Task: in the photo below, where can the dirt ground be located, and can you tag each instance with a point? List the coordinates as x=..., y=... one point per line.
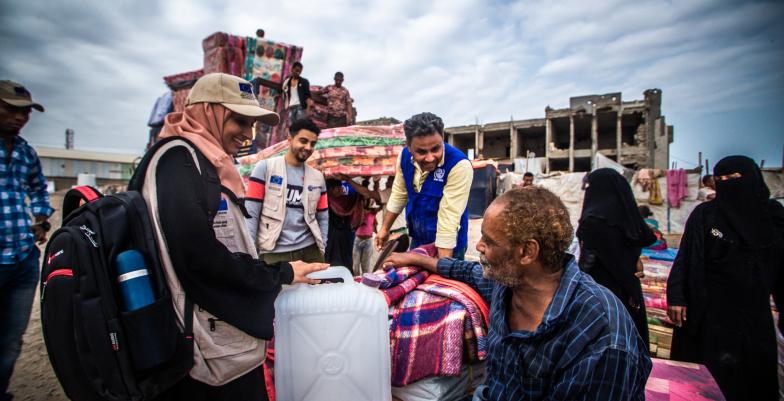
x=33, y=377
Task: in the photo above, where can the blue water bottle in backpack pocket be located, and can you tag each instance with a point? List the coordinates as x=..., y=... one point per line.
x=134, y=280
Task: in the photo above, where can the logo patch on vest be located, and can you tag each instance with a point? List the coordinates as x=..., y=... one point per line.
x=439, y=174
x=276, y=180
x=224, y=207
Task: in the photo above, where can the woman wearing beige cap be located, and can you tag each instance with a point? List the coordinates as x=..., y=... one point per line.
x=194, y=194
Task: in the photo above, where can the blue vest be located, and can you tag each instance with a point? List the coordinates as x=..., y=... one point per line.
x=422, y=206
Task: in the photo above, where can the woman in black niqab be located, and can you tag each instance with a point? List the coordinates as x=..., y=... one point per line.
x=730, y=262
x=612, y=234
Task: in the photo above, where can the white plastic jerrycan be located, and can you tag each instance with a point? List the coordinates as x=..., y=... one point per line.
x=332, y=341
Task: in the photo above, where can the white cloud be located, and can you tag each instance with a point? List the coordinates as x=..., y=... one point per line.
x=98, y=66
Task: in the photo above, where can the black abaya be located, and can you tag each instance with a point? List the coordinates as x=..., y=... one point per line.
x=612, y=234
x=611, y=261
x=725, y=272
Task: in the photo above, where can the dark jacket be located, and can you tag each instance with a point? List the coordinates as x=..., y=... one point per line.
x=303, y=90
x=235, y=287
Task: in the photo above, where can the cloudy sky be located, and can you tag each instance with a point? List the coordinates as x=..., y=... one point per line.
x=97, y=66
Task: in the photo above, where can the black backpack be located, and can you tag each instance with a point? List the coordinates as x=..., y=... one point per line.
x=98, y=350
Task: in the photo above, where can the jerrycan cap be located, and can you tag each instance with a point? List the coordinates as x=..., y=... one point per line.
x=371, y=280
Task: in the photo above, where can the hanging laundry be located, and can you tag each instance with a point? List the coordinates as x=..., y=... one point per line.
x=677, y=187
x=644, y=178
x=656, y=195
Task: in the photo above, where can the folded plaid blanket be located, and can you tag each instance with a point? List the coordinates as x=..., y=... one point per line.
x=476, y=322
x=434, y=325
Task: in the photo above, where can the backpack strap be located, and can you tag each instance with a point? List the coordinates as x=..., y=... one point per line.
x=78, y=196
x=137, y=181
x=187, y=330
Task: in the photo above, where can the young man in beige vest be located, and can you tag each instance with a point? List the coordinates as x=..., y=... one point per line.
x=287, y=202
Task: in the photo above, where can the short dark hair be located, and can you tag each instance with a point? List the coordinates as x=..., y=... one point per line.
x=339, y=73
x=296, y=64
x=423, y=124
x=538, y=214
x=705, y=178
x=303, y=123
x=528, y=174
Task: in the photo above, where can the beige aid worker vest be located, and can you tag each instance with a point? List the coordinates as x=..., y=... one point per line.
x=273, y=211
x=226, y=352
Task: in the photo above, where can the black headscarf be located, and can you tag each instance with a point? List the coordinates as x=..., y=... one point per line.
x=609, y=197
x=743, y=201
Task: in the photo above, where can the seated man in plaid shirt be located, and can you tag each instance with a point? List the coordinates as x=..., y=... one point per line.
x=554, y=333
x=20, y=178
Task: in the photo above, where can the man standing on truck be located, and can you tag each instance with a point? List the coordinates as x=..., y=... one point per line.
x=296, y=94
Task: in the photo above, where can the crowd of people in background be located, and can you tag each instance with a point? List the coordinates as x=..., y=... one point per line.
x=560, y=328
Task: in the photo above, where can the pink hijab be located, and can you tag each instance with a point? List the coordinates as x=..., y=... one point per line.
x=202, y=124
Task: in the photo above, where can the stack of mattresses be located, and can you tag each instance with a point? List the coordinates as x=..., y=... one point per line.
x=657, y=266
x=355, y=151
x=320, y=113
x=180, y=85
x=224, y=53
x=270, y=63
x=251, y=58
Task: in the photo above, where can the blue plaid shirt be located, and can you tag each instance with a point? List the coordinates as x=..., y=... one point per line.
x=20, y=178
x=586, y=348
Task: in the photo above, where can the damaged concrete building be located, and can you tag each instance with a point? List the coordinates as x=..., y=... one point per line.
x=634, y=133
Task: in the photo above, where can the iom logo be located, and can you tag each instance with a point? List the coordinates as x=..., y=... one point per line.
x=439, y=174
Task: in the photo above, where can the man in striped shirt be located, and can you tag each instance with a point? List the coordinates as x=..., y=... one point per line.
x=554, y=333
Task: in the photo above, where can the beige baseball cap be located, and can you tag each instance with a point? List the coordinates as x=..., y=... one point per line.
x=17, y=95
x=234, y=93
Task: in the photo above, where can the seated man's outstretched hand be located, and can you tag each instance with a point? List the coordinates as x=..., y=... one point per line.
x=396, y=259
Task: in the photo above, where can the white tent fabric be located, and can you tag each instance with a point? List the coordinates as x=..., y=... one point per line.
x=533, y=164
x=568, y=187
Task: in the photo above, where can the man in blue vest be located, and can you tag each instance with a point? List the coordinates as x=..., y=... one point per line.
x=432, y=183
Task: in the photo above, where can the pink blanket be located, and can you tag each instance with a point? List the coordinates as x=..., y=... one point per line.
x=681, y=381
